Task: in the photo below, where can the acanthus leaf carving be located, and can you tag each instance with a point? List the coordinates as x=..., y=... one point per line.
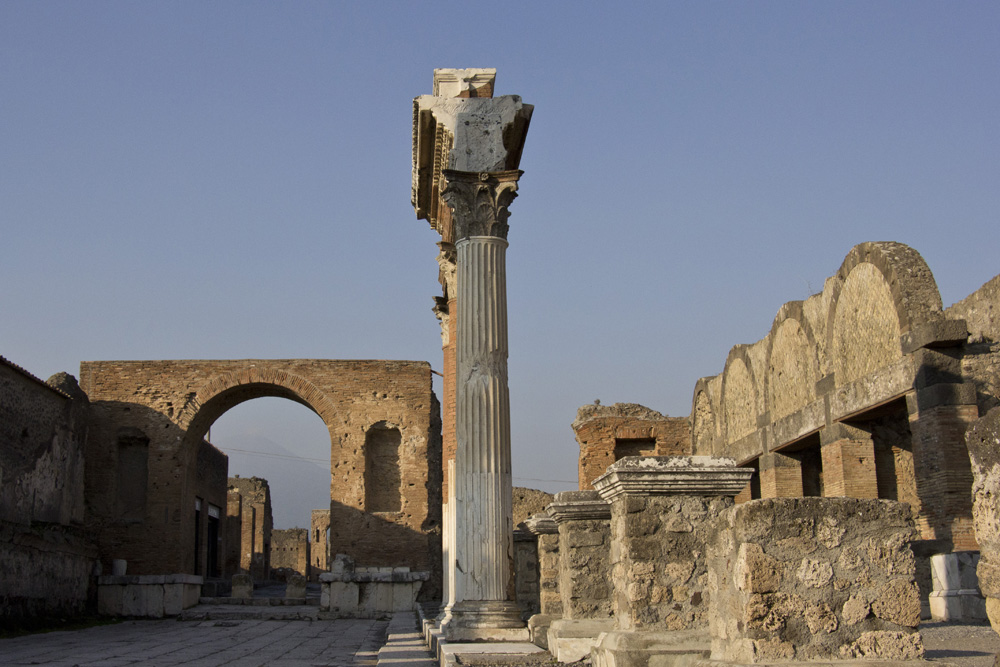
x=479, y=201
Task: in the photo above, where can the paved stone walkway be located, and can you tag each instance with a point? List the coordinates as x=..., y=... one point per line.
x=234, y=643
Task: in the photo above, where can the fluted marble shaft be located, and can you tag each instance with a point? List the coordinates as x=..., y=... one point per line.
x=483, y=536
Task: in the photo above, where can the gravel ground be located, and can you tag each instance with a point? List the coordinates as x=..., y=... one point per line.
x=963, y=645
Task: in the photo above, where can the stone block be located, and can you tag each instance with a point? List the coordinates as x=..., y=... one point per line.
x=813, y=579
x=683, y=648
x=242, y=586
x=295, y=587
x=570, y=640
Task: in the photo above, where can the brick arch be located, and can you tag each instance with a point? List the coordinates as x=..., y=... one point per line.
x=791, y=363
x=704, y=419
x=740, y=396
x=914, y=291
x=231, y=388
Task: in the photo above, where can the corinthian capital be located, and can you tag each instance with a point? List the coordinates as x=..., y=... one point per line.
x=479, y=201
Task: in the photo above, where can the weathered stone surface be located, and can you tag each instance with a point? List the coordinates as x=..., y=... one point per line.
x=687, y=475
x=813, y=579
x=659, y=560
x=983, y=440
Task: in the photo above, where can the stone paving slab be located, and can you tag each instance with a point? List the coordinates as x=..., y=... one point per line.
x=229, y=643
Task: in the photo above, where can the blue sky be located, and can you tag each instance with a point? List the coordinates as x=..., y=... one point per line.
x=231, y=180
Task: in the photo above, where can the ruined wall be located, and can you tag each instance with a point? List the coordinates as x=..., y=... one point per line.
x=984, y=447
x=527, y=502
x=873, y=352
x=256, y=533
x=981, y=353
x=290, y=551
x=171, y=405
x=813, y=579
x=47, y=557
x=319, y=545
x=607, y=433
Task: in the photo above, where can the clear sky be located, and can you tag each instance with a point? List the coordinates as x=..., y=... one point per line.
x=231, y=180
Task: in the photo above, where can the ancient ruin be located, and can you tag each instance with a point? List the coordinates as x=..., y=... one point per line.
x=834, y=485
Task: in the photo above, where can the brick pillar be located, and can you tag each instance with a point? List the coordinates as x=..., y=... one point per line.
x=939, y=417
x=848, y=462
x=584, y=521
x=546, y=530
x=780, y=476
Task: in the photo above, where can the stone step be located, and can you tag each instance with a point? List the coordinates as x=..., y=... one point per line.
x=231, y=612
x=260, y=601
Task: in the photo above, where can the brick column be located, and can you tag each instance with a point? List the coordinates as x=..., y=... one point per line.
x=780, y=476
x=848, y=462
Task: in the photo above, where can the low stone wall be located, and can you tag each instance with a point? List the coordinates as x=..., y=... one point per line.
x=983, y=440
x=147, y=596
x=370, y=592
x=814, y=579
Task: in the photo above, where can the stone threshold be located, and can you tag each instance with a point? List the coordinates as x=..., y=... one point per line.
x=471, y=653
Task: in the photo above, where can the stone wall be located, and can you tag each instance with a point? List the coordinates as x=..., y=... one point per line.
x=813, y=579
x=47, y=557
x=289, y=552
x=606, y=433
x=984, y=448
x=170, y=405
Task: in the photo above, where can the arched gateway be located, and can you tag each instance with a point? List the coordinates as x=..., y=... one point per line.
x=149, y=467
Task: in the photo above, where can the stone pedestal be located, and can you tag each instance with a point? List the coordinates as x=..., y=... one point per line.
x=546, y=532
x=583, y=518
x=662, y=521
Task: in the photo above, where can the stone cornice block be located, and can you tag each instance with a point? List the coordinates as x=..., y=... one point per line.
x=672, y=476
x=542, y=524
x=578, y=506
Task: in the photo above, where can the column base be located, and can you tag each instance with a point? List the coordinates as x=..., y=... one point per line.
x=497, y=620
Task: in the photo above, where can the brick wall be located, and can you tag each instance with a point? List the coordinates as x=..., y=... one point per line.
x=606, y=433
x=173, y=403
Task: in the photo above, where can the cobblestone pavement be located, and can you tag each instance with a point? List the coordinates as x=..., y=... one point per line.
x=234, y=643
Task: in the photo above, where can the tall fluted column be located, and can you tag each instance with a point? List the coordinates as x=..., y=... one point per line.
x=483, y=542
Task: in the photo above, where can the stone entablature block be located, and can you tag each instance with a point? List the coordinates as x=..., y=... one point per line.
x=672, y=475
x=578, y=506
